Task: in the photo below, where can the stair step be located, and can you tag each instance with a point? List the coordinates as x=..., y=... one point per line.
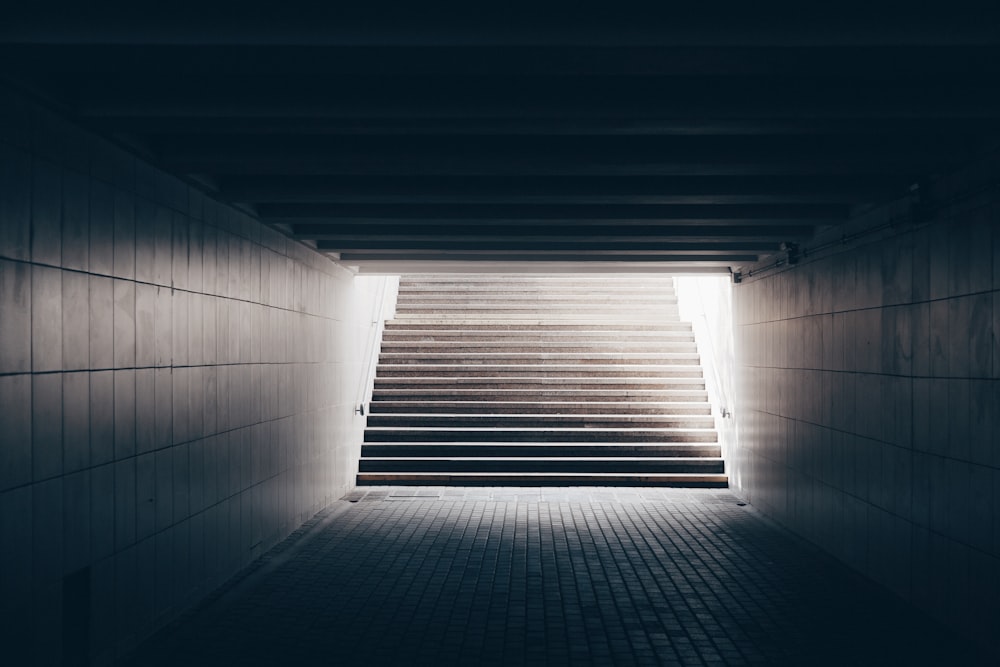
x=409, y=420
x=707, y=480
x=547, y=287
x=547, y=320
x=578, y=464
x=499, y=434
x=568, y=285
x=539, y=407
x=511, y=335
x=552, y=335
x=508, y=281
x=599, y=310
x=542, y=340
x=533, y=449
x=542, y=371
x=540, y=314
x=416, y=347
x=534, y=394
x=547, y=281
x=583, y=298
x=479, y=357
x=541, y=326
x=539, y=383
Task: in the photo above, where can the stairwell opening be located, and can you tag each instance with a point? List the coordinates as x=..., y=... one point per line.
x=551, y=380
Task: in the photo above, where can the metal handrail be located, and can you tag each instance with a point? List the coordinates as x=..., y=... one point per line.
x=726, y=407
x=371, y=353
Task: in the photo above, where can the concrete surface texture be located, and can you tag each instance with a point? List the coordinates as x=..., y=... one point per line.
x=869, y=395
x=177, y=391
x=542, y=576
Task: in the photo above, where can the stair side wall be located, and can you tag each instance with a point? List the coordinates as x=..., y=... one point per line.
x=707, y=303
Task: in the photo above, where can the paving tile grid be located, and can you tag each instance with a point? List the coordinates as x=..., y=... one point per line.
x=578, y=576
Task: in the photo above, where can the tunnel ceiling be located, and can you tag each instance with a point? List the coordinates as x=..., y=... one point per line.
x=691, y=143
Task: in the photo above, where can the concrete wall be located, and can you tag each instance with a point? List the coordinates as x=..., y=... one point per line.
x=706, y=301
x=869, y=398
x=177, y=389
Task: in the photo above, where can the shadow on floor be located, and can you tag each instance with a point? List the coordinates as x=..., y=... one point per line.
x=483, y=576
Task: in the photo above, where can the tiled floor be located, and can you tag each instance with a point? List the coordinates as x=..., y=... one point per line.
x=436, y=576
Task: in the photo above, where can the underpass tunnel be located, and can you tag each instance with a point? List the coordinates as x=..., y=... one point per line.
x=195, y=276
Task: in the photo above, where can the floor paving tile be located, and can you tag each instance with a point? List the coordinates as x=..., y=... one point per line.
x=578, y=576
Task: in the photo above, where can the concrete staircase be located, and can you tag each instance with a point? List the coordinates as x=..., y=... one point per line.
x=539, y=380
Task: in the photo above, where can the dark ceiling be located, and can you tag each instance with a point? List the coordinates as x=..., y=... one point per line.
x=695, y=143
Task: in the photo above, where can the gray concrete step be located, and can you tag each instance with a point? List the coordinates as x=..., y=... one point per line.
x=552, y=281
x=514, y=293
x=579, y=294
x=403, y=349
x=568, y=370
x=533, y=449
x=505, y=305
x=503, y=284
x=541, y=291
x=573, y=371
x=539, y=382
x=565, y=321
x=539, y=326
x=515, y=434
x=700, y=480
x=530, y=355
x=540, y=316
x=537, y=341
x=447, y=392
x=545, y=313
x=583, y=297
x=572, y=464
x=458, y=420
x=525, y=358
x=539, y=407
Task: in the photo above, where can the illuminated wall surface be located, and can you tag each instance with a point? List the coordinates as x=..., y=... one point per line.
x=177, y=386
x=869, y=399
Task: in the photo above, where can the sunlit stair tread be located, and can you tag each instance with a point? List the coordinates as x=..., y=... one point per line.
x=534, y=325
x=532, y=449
x=547, y=434
x=601, y=394
x=545, y=479
x=538, y=407
x=616, y=464
x=497, y=420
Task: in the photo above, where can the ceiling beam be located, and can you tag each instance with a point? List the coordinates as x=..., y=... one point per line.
x=514, y=256
x=168, y=126
x=775, y=163
x=532, y=245
x=534, y=156
x=325, y=213
x=235, y=60
x=450, y=24
x=679, y=234
x=659, y=98
x=464, y=189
